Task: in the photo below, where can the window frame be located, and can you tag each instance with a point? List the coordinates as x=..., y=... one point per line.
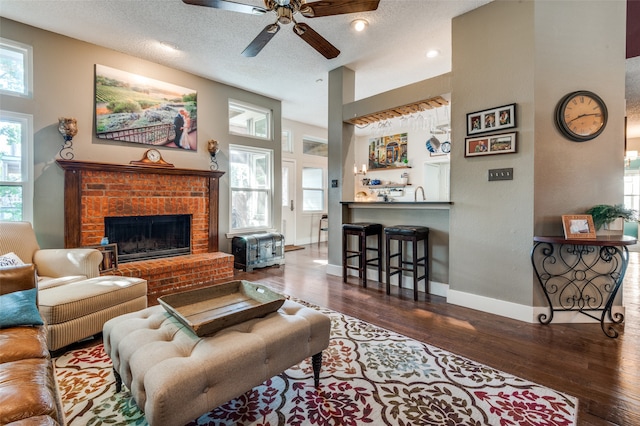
x=255, y=108
x=322, y=189
x=26, y=165
x=269, y=191
x=27, y=64
x=306, y=149
x=287, y=141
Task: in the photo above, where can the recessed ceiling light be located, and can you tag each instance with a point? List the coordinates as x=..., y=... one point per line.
x=359, y=24
x=433, y=53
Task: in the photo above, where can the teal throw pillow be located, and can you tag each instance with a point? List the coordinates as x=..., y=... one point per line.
x=19, y=308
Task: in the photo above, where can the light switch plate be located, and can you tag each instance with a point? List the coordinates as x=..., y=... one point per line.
x=500, y=174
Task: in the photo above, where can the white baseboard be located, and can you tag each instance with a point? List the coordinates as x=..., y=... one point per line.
x=481, y=303
x=519, y=312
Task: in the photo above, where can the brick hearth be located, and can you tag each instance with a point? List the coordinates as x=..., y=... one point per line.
x=180, y=273
x=96, y=190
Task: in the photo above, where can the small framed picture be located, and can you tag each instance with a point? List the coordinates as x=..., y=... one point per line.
x=504, y=143
x=492, y=119
x=578, y=227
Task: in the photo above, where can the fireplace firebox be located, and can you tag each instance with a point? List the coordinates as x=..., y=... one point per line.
x=149, y=237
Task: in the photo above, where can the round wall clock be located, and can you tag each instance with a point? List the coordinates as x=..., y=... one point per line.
x=581, y=115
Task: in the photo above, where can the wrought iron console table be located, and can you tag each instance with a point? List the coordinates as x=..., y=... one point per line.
x=582, y=275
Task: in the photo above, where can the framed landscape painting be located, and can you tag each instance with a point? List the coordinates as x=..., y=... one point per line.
x=137, y=109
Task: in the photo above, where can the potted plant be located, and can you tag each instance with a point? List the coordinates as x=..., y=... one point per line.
x=605, y=214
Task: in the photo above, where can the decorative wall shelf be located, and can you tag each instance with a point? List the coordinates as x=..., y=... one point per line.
x=388, y=168
x=388, y=185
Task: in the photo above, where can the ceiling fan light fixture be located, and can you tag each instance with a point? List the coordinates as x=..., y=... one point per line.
x=359, y=24
x=285, y=15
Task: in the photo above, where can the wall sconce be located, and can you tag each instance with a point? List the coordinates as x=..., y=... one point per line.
x=362, y=171
x=212, y=147
x=68, y=128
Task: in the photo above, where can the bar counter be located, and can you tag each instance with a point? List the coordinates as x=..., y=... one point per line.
x=432, y=214
x=398, y=204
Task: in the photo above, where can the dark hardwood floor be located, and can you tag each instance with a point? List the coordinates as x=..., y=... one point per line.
x=603, y=373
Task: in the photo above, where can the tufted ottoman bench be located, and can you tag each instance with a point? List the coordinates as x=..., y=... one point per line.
x=175, y=376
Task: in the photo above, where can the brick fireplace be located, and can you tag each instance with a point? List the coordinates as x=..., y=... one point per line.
x=94, y=191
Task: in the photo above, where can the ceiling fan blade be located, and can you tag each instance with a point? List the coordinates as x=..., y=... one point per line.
x=261, y=40
x=337, y=7
x=229, y=5
x=316, y=41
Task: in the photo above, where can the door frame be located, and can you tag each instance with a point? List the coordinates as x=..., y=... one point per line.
x=290, y=217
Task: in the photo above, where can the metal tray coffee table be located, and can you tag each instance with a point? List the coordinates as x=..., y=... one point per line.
x=211, y=309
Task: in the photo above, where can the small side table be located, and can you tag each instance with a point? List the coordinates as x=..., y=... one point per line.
x=582, y=275
x=109, y=256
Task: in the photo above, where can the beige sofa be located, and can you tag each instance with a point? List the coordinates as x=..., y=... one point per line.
x=74, y=300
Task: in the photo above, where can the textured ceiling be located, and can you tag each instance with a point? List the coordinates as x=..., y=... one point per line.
x=388, y=55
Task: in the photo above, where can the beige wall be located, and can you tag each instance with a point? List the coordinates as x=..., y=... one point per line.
x=492, y=222
x=64, y=86
x=530, y=53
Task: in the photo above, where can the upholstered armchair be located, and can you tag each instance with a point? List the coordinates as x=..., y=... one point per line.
x=54, y=266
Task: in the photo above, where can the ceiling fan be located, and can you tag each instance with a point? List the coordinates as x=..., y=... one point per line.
x=285, y=11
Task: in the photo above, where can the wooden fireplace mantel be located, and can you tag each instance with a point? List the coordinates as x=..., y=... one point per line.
x=73, y=193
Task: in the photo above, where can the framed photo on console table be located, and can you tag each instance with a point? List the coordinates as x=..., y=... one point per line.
x=578, y=227
x=492, y=119
x=504, y=143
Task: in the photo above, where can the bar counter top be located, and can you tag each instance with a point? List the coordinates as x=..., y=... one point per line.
x=398, y=204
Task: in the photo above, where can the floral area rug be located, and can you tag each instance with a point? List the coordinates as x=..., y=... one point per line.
x=369, y=376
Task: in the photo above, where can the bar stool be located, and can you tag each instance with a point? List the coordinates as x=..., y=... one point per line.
x=412, y=234
x=323, y=226
x=362, y=231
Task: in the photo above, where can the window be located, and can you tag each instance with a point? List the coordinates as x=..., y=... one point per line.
x=311, y=146
x=16, y=171
x=287, y=143
x=16, y=74
x=250, y=120
x=250, y=174
x=312, y=189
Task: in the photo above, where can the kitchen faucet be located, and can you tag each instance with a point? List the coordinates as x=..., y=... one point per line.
x=415, y=194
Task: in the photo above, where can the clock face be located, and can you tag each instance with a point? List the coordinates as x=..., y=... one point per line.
x=153, y=155
x=581, y=116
